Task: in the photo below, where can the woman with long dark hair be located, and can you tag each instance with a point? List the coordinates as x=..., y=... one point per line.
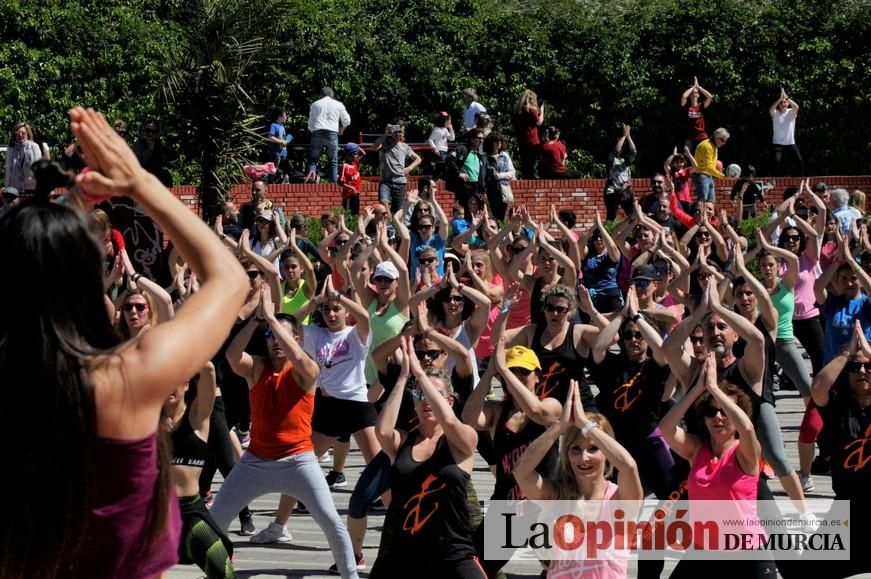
x=96, y=451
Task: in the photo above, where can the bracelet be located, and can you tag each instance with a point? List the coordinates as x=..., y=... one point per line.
x=506, y=307
x=589, y=426
x=635, y=318
x=223, y=236
x=135, y=277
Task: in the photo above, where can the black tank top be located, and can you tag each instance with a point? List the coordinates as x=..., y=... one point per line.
x=188, y=449
x=732, y=374
x=509, y=448
x=429, y=511
x=770, y=353
x=559, y=366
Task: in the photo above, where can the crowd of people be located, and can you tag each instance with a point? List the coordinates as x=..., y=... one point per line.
x=580, y=363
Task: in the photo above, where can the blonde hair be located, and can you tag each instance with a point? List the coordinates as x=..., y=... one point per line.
x=484, y=256
x=528, y=101
x=857, y=200
x=123, y=329
x=565, y=485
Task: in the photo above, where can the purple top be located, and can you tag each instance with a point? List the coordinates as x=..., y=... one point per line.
x=126, y=479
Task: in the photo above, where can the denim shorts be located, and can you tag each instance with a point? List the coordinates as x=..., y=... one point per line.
x=704, y=187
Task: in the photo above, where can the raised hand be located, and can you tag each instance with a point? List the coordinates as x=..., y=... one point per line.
x=412, y=196
x=407, y=346
x=585, y=302
x=577, y=408
x=113, y=167
x=266, y=308
x=710, y=369
x=632, y=302
x=565, y=419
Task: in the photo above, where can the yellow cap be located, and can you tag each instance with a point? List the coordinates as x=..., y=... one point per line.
x=522, y=357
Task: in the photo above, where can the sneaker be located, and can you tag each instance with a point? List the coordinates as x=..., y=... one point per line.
x=247, y=525
x=361, y=565
x=807, y=482
x=326, y=457
x=821, y=465
x=336, y=479
x=274, y=533
x=300, y=509
x=377, y=505
x=809, y=522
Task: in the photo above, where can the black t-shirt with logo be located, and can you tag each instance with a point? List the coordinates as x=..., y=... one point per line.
x=847, y=427
x=629, y=394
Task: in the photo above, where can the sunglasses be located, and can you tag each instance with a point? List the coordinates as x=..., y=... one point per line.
x=712, y=411
x=697, y=339
x=703, y=234
x=262, y=221
x=520, y=372
x=253, y=274
x=554, y=308
x=641, y=283
x=792, y=237
x=660, y=183
x=427, y=259
x=382, y=279
x=425, y=226
x=417, y=394
x=855, y=367
x=455, y=299
x=341, y=241
x=139, y=307
x=630, y=335
x=517, y=249
x=431, y=354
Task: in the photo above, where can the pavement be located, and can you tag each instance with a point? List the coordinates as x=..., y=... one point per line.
x=309, y=556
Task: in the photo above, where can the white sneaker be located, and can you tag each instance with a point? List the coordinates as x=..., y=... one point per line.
x=807, y=482
x=810, y=522
x=326, y=457
x=274, y=533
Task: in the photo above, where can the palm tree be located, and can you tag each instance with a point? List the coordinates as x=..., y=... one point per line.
x=208, y=87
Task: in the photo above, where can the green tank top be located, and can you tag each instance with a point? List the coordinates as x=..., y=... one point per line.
x=383, y=328
x=292, y=303
x=784, y=303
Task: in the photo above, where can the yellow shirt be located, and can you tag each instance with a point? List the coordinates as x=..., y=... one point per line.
x=706, y=159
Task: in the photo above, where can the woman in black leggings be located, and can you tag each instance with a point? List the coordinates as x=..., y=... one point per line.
x=187, y=422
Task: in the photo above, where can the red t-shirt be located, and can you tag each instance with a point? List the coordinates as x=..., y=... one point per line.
x=350, y=176
x=695, y=118
x=281, y=416
x=527, y=127
x=552, y=157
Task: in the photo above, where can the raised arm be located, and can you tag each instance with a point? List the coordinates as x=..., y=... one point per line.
x=305, y=370
x=162, y=299
x=153, y=366
x=460, y=436
x=533, y=485
x=749, y=450
x=439, y=214
x=679, y=440
x=403, y=290
x=790, y=276
x=477, y=412
x=541, y=411
x=752, y=364
x=241, y=362
x=266, y=267
x=763, y=300
x=385, y=426
x=570, y=272
x=673, y=346
x=202, y=404
x=610, y=245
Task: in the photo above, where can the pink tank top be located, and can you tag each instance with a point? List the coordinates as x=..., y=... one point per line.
x=722, y=479
x=126, y=481
x=614, y=566
x=805, y=301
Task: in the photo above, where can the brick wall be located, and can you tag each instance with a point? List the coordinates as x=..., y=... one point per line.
x=584, y=196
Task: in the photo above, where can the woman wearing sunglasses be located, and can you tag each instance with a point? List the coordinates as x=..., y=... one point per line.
x=269, y=237
x=513, y=423
x=631, y=390
x=554, y=266
x=588, y=453
x=510, y=241
x=725, y=464
x=600, y=258
x=430, y=538
x=842, y=392
x=562, y=346
x=459, y=309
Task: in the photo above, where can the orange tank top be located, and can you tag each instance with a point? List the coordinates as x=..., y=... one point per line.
x=281, y=416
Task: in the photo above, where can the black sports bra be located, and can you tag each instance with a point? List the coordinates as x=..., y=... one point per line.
x=188, y=449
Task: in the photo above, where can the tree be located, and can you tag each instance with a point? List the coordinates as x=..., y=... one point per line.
x=208, y=91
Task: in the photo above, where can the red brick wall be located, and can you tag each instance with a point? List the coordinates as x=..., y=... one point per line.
x=584, y=196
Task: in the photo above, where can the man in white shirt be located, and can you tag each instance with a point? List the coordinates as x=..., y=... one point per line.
x=473, y=107
x=783, y=114
x=327, y=119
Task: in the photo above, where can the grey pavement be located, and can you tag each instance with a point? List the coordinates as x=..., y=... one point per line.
x=309, y=556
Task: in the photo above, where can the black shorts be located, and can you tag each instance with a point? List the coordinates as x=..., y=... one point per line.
x=341, y=418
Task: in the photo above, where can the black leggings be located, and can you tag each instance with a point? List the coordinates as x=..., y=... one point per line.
x=810, y=333
x=201, y=541
x=778, y=159
x=221, y=456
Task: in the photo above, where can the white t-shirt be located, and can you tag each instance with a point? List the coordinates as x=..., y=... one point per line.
x=327, y=114
x=784, y=127
x=469, y=114
x=342, y=359
x=439, y=137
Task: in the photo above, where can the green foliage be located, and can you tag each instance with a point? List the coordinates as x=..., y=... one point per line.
x=597, y=64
